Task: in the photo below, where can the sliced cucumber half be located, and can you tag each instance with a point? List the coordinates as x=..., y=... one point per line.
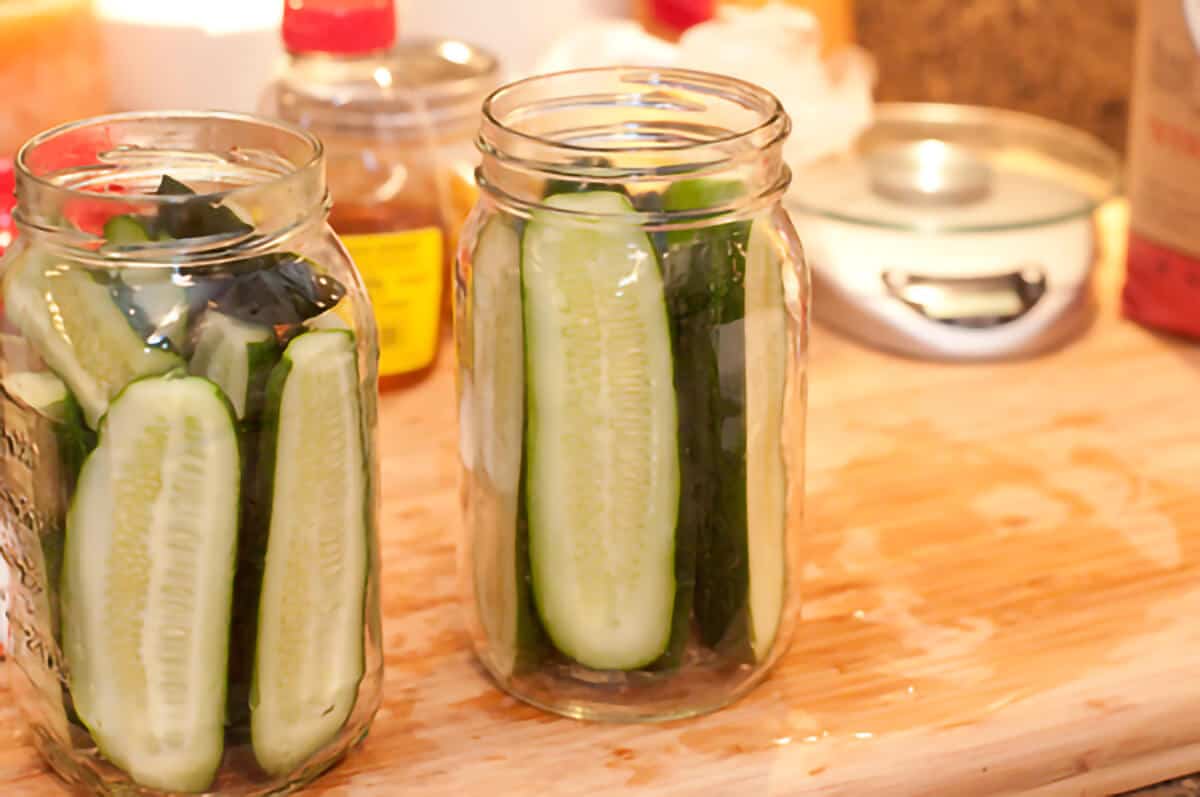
x=497, y=403
x=603, y=469
x=766, y=478
x=309, y=649
x=238, y=356
x=147, y=581
x=80, y=332
x=498, y=352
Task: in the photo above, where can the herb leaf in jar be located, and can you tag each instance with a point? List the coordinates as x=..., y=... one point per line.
x=276, y=289
x=196, y=219
x=280, y=289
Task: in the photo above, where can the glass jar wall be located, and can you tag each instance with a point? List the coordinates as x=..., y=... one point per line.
x=631, y=317
x=188, y=373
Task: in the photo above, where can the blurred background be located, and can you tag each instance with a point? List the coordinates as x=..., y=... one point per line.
x=999, y=252
x=1069, y=60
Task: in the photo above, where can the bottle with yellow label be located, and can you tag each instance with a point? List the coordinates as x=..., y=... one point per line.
x=398, y=122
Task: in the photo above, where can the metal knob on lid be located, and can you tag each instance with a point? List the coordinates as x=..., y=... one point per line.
x=930, y=172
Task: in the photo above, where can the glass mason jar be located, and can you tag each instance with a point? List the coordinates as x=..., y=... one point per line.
x=631, y=315
x=188, y=364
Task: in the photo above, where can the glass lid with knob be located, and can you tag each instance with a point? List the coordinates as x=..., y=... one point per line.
x=932, y=168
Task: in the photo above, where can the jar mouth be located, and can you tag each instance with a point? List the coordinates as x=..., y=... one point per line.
x=39, y=160
x=72, y=177
x=625, y=125
x=514, y=107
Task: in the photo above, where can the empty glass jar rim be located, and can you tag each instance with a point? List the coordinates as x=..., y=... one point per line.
x=72, y=178
x=631, y=128
x=769, y=114
x=33, y=173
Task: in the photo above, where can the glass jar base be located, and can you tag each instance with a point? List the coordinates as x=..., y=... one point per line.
x=639, y=697
x=100, y=778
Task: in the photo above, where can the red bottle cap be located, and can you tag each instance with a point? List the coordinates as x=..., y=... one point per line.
x=8, y=230
x=679, y=15
x=8, y=181
x=341, y=27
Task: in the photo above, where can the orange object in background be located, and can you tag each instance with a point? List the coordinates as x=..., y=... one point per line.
x=836, y=18
x=668, y=19
x=50, y=67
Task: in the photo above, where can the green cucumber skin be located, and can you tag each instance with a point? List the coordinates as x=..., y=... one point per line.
x=259, y=437
x=723, y=587
x=707, y=267
x=696, y=401
x=263, y=359
x=533, y=644
x=127, y=229
x=562, y=185
x=75, y=443
x=722, y=599
x=247, y=580
x=252, y=539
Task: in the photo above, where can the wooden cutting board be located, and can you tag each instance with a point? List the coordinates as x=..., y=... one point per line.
x=1002, y=596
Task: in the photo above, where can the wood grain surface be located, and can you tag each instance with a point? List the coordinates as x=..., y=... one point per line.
x=1002, y=595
